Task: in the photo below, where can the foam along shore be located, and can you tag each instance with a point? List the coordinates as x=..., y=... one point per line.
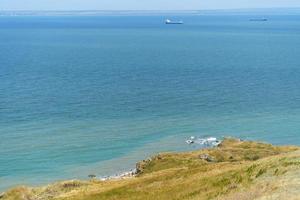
x=234, y=169
x=204, y=142
x=123, y=175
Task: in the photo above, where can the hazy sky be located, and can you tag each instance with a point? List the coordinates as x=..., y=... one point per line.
x=142, y=4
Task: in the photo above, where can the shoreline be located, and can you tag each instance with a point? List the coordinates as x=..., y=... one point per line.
x=232, y=164
x=198, y=143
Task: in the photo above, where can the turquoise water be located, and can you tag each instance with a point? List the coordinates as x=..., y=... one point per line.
x=82, y=95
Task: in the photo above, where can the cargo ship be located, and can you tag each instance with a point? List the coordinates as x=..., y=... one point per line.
x=168, y=21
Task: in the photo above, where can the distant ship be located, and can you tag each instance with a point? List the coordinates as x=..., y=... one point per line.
x=173, y=22
x=259, y=19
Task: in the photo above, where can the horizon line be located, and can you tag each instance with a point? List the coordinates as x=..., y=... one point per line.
x=148, y=10
x=235, y=11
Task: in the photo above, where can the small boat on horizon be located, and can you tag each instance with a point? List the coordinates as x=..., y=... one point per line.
x=168, y=21
x=258, y=19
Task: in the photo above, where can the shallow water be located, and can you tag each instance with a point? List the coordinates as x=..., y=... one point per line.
x=82, y=95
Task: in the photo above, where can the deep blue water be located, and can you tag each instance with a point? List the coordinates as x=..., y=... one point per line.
x=81, y=95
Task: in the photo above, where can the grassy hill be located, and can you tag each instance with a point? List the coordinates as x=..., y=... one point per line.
x=236, y=169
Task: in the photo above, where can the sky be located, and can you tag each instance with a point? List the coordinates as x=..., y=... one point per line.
x=143, y=4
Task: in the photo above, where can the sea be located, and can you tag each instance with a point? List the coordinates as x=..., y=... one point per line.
x=95, y=94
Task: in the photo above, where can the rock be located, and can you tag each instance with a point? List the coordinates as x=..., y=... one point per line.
x=92, y=176
x=207, y=158
x=190, y=142
x=2, y=195
x=71, y=184
x=138, y=167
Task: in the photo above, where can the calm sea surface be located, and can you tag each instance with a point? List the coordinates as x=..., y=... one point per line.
x=82, y=95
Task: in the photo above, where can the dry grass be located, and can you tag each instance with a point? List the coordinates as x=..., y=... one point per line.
x=236, y=170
